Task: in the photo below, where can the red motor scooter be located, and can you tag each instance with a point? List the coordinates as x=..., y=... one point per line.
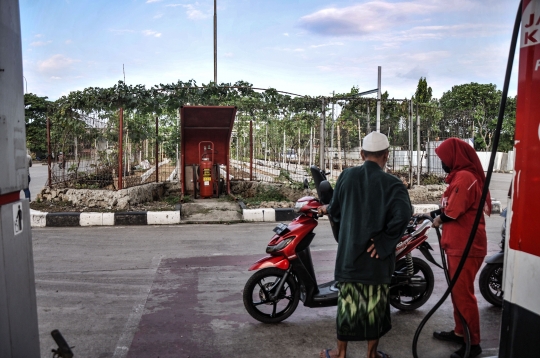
x=286, y=275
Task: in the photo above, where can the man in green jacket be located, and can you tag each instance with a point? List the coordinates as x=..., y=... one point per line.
x=373, y=209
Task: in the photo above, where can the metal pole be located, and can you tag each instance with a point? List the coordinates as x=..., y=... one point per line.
x=120, y=148
x=49, y=152
x=311, y=146
x=76, y=147
x=418, y=167
x=410, y=143
x=177, y=150
x=19, y=334
x=157, y=152
x=332, y=137
x=215, y=43
x=368, y=128
x=379, y=100
x=321, y=140
x=284, y=148
x=251, y=150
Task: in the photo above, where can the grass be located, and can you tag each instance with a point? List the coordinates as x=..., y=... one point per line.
x=265, y=193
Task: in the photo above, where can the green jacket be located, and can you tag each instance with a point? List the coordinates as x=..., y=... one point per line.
x=369, y=204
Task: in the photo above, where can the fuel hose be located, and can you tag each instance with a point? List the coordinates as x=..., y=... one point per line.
x=485, y=189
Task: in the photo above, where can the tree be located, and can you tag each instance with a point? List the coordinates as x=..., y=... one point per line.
x=423, y=93
x=472, y=104
x=35, y=113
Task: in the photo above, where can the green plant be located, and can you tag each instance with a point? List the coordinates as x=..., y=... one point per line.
x=175, y=199
x=431, y=179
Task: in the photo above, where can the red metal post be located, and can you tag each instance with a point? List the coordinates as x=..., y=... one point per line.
x=157, y=158
x=120, y=149
x=49, y=150
x=251, y=150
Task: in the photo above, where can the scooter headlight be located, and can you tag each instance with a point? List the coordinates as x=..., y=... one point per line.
x=299, y=205
x=280, y=246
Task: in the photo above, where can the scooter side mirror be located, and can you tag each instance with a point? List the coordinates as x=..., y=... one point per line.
x=325, y=192
x=318, y=177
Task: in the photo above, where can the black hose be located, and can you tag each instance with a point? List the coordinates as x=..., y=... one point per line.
x=485, y=190
x=466, y=329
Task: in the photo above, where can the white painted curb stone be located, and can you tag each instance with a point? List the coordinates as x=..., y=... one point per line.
x=108, y=219
x=163, y=217
x=267, y=214
x=38, y=218
x=424, y=208
x=91, y=219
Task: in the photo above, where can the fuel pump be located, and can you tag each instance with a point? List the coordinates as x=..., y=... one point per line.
x=521, y=306
x=19, y=334
x=206, y=177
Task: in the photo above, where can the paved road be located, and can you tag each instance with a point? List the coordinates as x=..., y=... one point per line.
x=175, y=291
x=38, y=178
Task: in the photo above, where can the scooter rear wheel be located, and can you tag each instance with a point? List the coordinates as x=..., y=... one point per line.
x=400, y=299
x=260, y=286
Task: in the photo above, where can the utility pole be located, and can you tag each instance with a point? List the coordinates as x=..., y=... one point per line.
x=321, y=140
x=19, y=334
x=215, y=43
x=332, y=137
x=379, y=99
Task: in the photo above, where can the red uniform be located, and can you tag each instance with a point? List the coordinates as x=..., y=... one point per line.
x=460, y=204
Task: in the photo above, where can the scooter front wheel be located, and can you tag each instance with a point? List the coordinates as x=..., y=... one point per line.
x=263, y=302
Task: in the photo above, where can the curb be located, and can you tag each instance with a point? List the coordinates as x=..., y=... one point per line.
x=268, y=214
x=71, y=219
x=130, y=218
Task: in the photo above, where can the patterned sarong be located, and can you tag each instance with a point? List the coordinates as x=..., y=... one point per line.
x=363, y=312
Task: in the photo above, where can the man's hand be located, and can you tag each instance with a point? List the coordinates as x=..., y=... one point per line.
x=437, y=222
x=321, y=210
x=372, y=250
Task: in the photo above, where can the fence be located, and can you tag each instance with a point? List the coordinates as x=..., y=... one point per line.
x=110, y=150
x=124, y=148
x=284, y=148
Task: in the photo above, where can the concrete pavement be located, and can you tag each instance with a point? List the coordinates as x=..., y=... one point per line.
x=175, y=291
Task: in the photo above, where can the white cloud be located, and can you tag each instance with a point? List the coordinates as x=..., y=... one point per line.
x=56, y=63
x=151, y=1
x=68, y=42
x=56, y=78
x=285, y=34
x=40, y=43
x=152, y=33
x=228, y=54
x=375, y=16
x=158, y=16
x=193, y=11
x=327, y=44
x=38, y=35
x=121, y=31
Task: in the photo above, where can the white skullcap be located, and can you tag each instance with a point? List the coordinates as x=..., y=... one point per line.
x=375, y=142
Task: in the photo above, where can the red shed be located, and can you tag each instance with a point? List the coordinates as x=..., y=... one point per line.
x=199, y=126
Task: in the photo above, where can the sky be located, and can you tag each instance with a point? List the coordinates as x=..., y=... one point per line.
x=307, y=47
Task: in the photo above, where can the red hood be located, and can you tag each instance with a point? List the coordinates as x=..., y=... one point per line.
x=458, y=155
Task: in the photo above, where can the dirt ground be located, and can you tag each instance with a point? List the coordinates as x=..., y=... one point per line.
x=54, y=207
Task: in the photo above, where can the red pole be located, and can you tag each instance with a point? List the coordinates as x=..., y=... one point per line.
x=120, y=149
x=49, y=150
x=157, y=158
x=251, y=150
